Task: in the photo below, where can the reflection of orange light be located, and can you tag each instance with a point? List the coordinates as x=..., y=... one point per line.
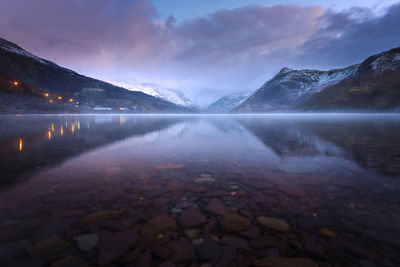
x=20, y=144
x=16, y=83
x=73, y=128
x=52, y=127
x=51, y=100
x=49, y=134
x=71, y=100
x=46, y=94
x=62, y=131
x=60, y=97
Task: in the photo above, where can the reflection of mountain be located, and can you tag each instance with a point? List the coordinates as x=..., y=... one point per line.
x=373, y=142
x=285, y=138
x=30, y=143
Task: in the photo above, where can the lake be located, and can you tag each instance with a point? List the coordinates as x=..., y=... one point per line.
x=145, y=190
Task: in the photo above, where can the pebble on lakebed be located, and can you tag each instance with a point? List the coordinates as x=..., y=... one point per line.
x=274, y=223
x=48, y=246
x=87, y=242
x=101, y=215
x=284, y=262
x=233, y=222
x=327, y=232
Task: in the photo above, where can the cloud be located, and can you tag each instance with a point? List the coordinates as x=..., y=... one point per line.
x=74, y=30
x=205, y=57
x=348, y=37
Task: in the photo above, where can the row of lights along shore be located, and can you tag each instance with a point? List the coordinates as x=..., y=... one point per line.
x=16, y=83
x=59, y=98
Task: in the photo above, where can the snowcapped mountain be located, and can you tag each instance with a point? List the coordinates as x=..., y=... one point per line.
x=290, y=86
x=226, y=103
x=170, y=95
x=371, y=85
x=375, y=87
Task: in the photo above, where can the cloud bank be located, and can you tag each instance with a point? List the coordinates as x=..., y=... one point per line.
x=206, y=57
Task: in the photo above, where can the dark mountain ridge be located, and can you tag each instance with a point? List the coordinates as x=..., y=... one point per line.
x=373, y=85
x=87, y=94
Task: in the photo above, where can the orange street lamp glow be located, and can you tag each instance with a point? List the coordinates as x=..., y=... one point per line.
x=51, y=100
x=16, y=83
x=71, y=100
x=20, y=144
x=59, y=97
x=46, y=94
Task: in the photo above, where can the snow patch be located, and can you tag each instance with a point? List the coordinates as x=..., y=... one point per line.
x=170, y=95
x=21, y=52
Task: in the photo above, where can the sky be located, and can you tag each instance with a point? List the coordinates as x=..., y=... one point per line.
x=204, y=48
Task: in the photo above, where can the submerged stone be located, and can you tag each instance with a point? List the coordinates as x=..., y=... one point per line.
x=69, y=261
x=274, y=223
x=191, y=218
x=284, y=262
x=175, y=185
x=113, y=245
x=87, y=242
x=169, y=167
x=217, y=207
x=232, y=222
x=327, y=232
x=204, y=180
x=48, y=246
x=208, y=250
x=182, y=251
x=192, y=233
x=264, y=242
x=163, y=223
x=101, y=215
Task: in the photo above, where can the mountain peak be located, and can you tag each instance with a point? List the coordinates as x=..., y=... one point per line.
x=168, y=94
x=285, y=70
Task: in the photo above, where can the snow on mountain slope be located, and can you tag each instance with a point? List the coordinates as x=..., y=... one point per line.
x=10, y=47
x=226, y=103
x=170, y=95
x=371, y=85
x=291, y=86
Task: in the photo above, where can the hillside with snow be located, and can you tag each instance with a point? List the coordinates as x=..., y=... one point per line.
x=170, y=95
x=226, y=103
x=370, y=86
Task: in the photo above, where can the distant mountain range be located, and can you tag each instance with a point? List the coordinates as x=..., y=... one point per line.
x=372, y=86
x=29, y=84
x=168, y=94
x=226, y=103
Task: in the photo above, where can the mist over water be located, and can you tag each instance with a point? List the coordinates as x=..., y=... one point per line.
x=345, y=169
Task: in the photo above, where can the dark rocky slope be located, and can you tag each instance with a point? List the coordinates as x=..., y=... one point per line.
x=373, y=85
x=86, y=93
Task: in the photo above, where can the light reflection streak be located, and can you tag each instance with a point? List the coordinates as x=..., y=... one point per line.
x=20, y=144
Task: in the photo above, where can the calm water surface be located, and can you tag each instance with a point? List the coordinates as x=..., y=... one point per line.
x=334, y=179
